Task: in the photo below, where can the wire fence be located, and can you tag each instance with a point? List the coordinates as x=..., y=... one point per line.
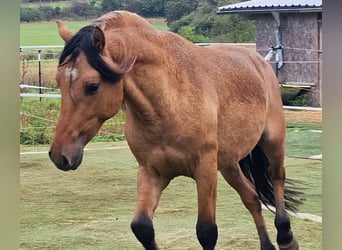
x=38, y=64
x=40, y=95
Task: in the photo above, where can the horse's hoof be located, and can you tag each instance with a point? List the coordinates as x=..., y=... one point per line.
x=267, y=245
x=270, y=247
x=291, y=246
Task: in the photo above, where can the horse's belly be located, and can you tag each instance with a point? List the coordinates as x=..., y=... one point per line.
x=166, y=160
x=229, y=154
x=235, y=141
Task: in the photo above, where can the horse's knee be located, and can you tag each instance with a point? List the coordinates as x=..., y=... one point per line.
x=142, y=228
x=207, y=234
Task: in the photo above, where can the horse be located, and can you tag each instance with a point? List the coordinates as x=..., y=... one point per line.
x=190, y=110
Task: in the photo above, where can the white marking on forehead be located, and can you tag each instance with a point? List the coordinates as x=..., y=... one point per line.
x=71, y=73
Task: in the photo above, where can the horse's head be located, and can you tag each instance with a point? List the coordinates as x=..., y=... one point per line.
x=91, y=87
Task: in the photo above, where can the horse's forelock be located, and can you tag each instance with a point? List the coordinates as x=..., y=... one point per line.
x=82, y=41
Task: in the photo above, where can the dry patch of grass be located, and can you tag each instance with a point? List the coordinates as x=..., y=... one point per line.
x=303, y=118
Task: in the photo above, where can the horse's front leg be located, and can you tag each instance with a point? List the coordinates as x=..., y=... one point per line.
x=206, y=180
x=150, y=187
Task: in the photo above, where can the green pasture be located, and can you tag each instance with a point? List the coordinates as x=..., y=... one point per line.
x=92, y=207
x=46, y=34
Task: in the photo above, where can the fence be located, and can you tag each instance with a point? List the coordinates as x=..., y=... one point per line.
x=38, y=68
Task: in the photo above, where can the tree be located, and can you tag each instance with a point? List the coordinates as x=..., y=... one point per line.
x=152, y=8
x=194, y=19
x=28, y=14
x=175, y=9
x=80, y=10
x=109, y=5
x=204, y=24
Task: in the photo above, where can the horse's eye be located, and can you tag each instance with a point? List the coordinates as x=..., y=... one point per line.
x=92, y=88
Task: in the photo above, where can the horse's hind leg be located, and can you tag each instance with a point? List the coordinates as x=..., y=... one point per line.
x=150, y=187
x=234, y=176
x=273, y=145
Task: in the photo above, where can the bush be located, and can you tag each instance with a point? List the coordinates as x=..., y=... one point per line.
x=76, y=11
x=176, y=9
x=208, y=26
x=151, y=8
x=188, y=32
x=30, y=14
x=34, y=136
x=47, y=12
x=303, y=100
x=38, y=119
x=80, y=10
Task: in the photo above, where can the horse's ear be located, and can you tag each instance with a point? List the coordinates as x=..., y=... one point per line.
x=65, y=33
x=98, y=39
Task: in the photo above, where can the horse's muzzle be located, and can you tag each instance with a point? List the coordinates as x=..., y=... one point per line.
x=66, y=161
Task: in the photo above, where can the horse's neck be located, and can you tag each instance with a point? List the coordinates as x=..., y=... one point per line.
x=146, y=92
x=148, y=86
x=141, y=44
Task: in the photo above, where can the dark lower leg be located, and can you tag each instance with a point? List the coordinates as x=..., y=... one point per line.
x=150, y=187
x=206, y=180
x=142, y=228
x=206, y=234
x=285, y=238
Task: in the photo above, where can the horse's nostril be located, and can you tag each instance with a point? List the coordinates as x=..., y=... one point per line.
x=67, y=159
x=66, y=162
x=61, y=162
x=50, y=154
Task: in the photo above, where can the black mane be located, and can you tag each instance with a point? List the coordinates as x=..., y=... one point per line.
x=82, y=41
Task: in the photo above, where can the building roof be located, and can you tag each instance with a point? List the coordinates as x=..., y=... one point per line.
x=266, y=6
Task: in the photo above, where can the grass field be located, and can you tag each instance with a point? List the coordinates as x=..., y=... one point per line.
x=45, y=33
x=92, y=208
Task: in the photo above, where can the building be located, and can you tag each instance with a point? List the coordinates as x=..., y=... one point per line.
x=289, y=35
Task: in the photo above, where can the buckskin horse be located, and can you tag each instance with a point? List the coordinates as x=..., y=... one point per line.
x=190, y=110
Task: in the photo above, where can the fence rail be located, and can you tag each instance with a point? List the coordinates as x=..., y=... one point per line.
x=43, y=72
x=40, y=95
x=303, y=108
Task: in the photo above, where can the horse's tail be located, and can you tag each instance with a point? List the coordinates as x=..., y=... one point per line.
x=255, y=168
